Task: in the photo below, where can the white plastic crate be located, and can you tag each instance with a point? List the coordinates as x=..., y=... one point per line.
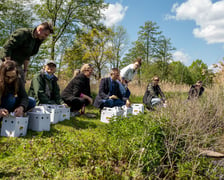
x=53, y=111
x=127, y=111
x=39, y=120
x=107, y=113
x=14, y=126
x=137, y=108
x=64, y=112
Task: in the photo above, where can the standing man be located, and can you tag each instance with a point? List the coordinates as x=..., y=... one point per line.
x=23, y=43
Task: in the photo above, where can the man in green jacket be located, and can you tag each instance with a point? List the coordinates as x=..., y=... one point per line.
x=44, y=87
x=23, y=43
x=152, y=93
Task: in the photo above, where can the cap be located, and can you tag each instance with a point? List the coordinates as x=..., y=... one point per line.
x=52, y=63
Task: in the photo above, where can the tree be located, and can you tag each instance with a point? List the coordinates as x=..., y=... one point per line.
x=179, y=73
x=119, y=43
x=198, y=69
x=148, y=39
x=14, y=14
x=163, y=55
x=67, y=16
x=93, y=47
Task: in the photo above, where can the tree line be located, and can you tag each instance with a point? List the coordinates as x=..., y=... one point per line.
x=80, y=37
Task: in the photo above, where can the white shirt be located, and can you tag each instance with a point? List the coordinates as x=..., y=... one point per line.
x=128, y=72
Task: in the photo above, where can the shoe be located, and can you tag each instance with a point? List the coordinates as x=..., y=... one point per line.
x=73, y=114
x=89, y=115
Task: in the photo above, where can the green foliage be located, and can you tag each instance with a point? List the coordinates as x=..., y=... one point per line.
x=179, y=73
x=146, y=146
x=199, y=71
x=91, y=46
x=67, y=16
x=14, y=14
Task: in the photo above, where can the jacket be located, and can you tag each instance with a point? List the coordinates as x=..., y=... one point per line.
x=128, y=72
x=194, y=92
x=79, y=84
x=21, y=45
x=44, y=90
x=21, y=94
x=152, y=91
x=104, y=91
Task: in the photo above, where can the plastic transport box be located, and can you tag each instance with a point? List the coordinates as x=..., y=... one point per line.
x=14, y=126
x=127, y=111
x=53, y=111
x=137, y=108
x=64, y=112
x=107, y=113
x=38, y=119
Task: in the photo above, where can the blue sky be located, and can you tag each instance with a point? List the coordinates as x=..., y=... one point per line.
x=195, y=27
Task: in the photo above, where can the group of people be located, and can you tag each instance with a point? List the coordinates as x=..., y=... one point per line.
x=44, y=88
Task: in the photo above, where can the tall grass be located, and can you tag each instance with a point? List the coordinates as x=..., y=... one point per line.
x=161, y=144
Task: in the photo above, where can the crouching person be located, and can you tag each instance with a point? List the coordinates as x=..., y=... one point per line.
x=13, y=97
x=152, y=93
x=196, y=90
x=77, y=93
x=44, y=87
x=109, y=93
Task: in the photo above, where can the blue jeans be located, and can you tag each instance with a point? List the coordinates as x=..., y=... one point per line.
x=10, y=102
x=156, y=101
x=113, y=102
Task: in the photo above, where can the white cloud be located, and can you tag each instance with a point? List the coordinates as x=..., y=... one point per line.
x=208, y=16
x=181, y=56
x=114, y=14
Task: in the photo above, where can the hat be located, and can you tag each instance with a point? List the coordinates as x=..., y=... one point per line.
x=199, y=83
x=52, y=63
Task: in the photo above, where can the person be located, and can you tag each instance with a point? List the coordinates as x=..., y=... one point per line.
x=77, y=93
x=44, y=87
x=128, y=72
x=13, y=97
x=76, y=72
x=152, y=93
x=24, y=43
x=125, y=92
x=196, y=90
x=109, y=93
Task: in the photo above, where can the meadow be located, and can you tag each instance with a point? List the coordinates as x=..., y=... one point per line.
x=161, y=144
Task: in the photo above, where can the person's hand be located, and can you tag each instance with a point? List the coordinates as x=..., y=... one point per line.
x=4, y=112
x=90, y=100
x=113, y=97
x=65, y=105
x=128, y=103
x=19, y=111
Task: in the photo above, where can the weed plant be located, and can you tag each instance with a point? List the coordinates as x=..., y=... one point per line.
x=161, y=144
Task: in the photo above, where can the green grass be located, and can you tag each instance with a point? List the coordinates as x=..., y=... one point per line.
x=83, y=148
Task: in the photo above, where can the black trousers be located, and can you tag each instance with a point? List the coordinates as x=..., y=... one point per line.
x=76, y=103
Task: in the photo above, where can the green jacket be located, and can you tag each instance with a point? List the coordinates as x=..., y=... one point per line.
x=152, y=91
x=44, y=90
x=21, y=45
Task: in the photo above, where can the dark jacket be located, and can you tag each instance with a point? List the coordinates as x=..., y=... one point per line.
x=21, y=45
x=194, y=92
x=21, y=94
x=152, y=91
x=79, y=84
x=45, y=91
x=104, y=91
